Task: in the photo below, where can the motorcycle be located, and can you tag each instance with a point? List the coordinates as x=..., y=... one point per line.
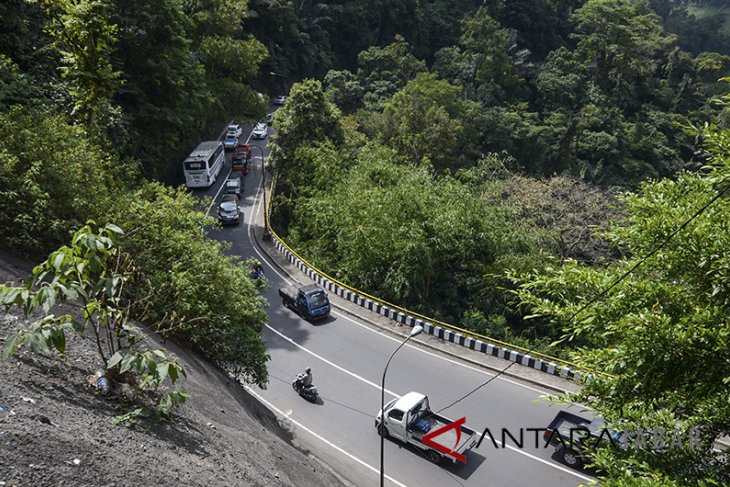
x=257, y=273
x=309, y=393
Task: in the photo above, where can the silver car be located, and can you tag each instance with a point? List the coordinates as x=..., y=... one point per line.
x=233, y=185
x=230, y=142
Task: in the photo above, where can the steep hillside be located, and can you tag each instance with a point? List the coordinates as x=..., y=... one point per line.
x=56, y=430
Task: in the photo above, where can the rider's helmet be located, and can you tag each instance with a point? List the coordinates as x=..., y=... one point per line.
x=308, y=370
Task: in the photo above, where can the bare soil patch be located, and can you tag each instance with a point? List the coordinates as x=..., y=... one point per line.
x=56, y=429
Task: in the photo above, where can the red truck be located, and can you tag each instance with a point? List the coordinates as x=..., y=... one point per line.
x=241, y=159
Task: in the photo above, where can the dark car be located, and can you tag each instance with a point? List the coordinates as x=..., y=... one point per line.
x=234, y=185
x=571, y=435
x=229, y=212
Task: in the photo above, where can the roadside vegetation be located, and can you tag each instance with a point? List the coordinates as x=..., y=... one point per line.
x=496, y=165
x=95, y=98
x=504, y=180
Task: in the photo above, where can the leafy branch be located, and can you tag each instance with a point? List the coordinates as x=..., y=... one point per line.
x=86, y=275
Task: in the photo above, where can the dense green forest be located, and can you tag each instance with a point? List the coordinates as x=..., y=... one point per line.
x=494, y=164
x=99, y=98
x=504, y=147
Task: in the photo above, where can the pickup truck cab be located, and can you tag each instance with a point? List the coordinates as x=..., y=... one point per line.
x=310, y=302
x=409, y=419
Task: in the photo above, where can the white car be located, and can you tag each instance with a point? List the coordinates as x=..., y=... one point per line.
x=235, y=129
x=260, y=131
x=279, y=100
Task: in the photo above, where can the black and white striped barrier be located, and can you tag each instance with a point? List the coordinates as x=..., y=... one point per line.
x=435, y=330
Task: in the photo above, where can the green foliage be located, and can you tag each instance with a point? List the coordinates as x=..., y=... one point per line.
x=297, y=36
x=84, y=37
x=186, y=67
x=47, y=186
x=485, y=43
x=228, y=60
x=165, y=96
x=219, y=315
x=14, y=89
x=662, y=332
x=543, y=25
x=441, y=236
x=86, y=275
x=343, y=89
x=428, y=123
x=383, y=71
x=307, y=119
x=130, y=417
x=622, y=38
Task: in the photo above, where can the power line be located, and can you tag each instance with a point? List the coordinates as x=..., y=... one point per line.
x=603, y=293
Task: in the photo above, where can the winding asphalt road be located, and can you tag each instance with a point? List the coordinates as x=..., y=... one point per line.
x=347, y=357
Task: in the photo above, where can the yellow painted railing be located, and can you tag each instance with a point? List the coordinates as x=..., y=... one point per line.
x=446, y=326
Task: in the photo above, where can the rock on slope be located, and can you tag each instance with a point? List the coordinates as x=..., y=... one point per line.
x=55, y=429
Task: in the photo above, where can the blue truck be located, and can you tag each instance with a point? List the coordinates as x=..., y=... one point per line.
x=310, y=302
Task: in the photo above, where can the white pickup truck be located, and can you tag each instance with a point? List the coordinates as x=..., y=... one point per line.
x=409, y=419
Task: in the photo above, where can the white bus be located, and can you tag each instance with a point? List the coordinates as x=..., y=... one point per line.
x=202, y=166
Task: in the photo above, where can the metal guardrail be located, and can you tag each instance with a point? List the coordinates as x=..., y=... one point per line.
x=446, y=331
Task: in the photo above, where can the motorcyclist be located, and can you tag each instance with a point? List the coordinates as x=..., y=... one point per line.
x=257, y=270
x=307, y=378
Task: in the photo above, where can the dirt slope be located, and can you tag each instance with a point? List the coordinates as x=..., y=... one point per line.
x=56, y=430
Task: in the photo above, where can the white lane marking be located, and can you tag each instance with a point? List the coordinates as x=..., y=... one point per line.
x=321, y=438
x=550, y=464
x=456, y=362
x=284, y=278
x=371, y=330
x=329, y=362
x=376, y=386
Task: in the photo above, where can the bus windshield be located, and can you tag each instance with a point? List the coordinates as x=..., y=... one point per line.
x=195, y=165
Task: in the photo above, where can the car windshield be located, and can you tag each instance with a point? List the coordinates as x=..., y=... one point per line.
x=318, y=299
x=228, y=206
x=261, y=126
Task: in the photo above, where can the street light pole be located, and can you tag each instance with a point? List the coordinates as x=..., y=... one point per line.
x=415, y=331
x=267, y=235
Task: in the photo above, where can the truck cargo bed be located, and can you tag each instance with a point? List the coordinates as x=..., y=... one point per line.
x=448, y=438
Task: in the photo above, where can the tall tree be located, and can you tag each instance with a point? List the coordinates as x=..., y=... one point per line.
x=85, y=36
x=657, y=321
x=307, y=119
x=623, y=40
x=481, y=64
x=383, y=71
x=427, y=122
x=542, y=25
